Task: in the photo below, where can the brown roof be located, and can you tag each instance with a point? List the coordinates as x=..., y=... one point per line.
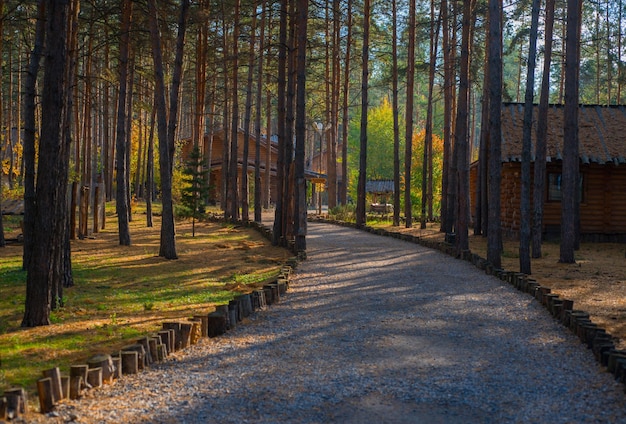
x=602, y=133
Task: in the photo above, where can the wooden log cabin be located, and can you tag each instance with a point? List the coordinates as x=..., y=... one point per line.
x=213, y=149
x=602, y=135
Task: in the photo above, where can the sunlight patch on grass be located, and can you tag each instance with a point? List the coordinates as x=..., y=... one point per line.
x=124, y=292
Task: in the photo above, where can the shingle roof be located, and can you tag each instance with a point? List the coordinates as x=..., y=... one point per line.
x=602, y=133
x=382, y=186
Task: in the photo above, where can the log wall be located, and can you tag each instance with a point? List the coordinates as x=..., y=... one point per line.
x=602, y=210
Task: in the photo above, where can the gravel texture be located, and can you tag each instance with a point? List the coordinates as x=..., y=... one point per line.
x=374, y=330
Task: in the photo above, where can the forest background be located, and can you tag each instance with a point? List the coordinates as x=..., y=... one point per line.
x=400, y=89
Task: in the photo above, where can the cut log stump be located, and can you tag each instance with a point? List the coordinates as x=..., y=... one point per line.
x=217, y=324
x=46, y=395
x=223, y=309
x=54, y=375
x=80, y=371
x=145, y=342
x=258, y=300
x=141, y=355
x=65, y=387
x=174, y=328
x=130, y=361
x=3, y=408
x=94, y=377
x=17, y=402
x=166, y=339
x=105, y=362
x=117, y=365
x=152, y=343
x=76, y=384
x=185, y=335
x=204, y=319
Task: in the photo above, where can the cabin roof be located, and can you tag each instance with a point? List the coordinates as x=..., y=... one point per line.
x=602, y=133
x=379, y=186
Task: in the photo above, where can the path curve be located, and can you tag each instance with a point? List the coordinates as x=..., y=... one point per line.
x=375, y=330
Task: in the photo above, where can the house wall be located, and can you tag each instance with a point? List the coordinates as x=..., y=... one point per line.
x=602, y=210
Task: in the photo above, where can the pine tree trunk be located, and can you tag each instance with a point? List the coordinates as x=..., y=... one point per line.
x=300, y=213
x=361, y=195
x=525, y=216
x=121, y=204
x=396, y=124
x=410, y=99
x=345, y=112
x=570, y=170
x=427, y=176
x=281, y=122
x=44, y=267
x=494, y=235
x=30, y=83
x=232, y=198
x=539, y=180
x=258, y=191
x=245, y=195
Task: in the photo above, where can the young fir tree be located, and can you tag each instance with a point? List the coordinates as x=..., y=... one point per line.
x=195, y=190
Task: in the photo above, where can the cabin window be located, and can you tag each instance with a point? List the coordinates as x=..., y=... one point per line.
x=554, y=187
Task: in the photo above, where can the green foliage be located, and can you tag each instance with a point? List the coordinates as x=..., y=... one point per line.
x=194, y=190
x=343, y=213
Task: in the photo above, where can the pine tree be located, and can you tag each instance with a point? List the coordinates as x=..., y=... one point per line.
x=195, y=190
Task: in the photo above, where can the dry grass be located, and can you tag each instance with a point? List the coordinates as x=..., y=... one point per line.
x=122, y=292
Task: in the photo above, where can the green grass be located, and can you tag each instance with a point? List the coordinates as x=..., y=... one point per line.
x=122, y=293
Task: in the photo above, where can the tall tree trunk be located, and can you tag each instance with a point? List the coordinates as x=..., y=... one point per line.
x=461, y=145
x=482, y=204
x=267, y=195
x=2, y=240
x=396, y=119
x=45, y=265
x=334, y=108
x=494, y=234
x=361, y=195
x=290, y=117
x=281, y=122
x=619, y=52
x=129, y=130
x=232, y=197
x=539, y=180
x=30, y=84
x=87, y=140
x=150, y=169
x=524, y=246
x=107, y=146
x=345, y=113
x=166, y=130
x=245, y=195
x=408, y=138
x=225, y=121
x=121, y=204
x=427, y=176
x=258, y=195
x=300, y=212
x=448, y=65
x=570, y=171
x=65, y=277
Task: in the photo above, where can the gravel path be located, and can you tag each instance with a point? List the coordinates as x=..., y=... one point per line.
x=375, y=330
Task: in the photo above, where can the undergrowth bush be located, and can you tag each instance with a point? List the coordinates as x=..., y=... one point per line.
x=343, y=213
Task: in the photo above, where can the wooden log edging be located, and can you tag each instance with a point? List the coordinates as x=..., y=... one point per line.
x=176, y=335
x=155, y=348
x=601, y=343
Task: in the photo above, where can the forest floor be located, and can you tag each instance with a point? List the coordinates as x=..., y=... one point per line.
x=122, y=293
x=596, y=282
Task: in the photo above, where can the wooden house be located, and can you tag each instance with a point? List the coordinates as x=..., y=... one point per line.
x=602, y=138
x=213, y=149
